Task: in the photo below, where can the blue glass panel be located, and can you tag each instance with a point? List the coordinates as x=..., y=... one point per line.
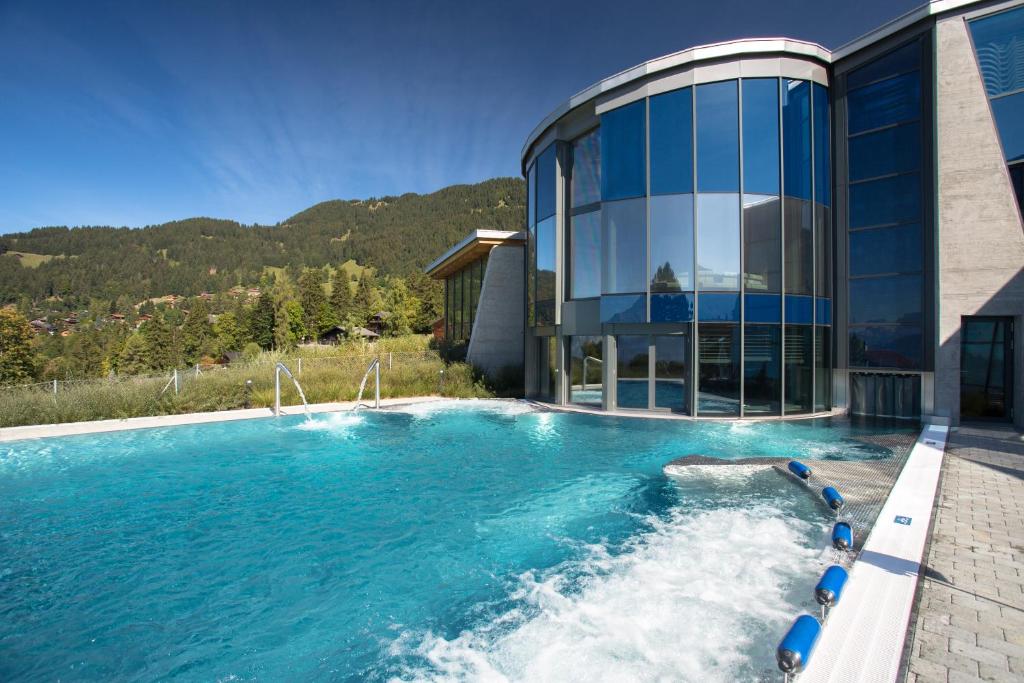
x=586, y=169
x=893, y=100
x=1009, y=113
x=718, y=374
x=672, y=308
x=673, y=366
x=545, y=314
x=623, y=162
x=798, y=241
x=719, y=307
x=892, y=150
x=718, y=241
x=762, y=243
x=546, y=183
x=999, y=45
x=624, y=246
x=900, y=60
x=631, y=308
x=761, y=136
x=886, y=250
x=671, y=268
x=799, y=310
x=796, y=139
x=585, y=243
x=886, y=201
x=824, y=312
x=672, y=142
x=885, y=346
x=1017, y=180
x=762, y=365
x=762, y=308
x=718, y=139
x=633, y=368
x=822, y=147
x=531, y=195
x=894, y=299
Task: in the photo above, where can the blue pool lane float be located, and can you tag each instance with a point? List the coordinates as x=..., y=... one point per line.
x=832, y=497
x=799, y=469
x=829, y=590
x=794, y=652
x=842, y=536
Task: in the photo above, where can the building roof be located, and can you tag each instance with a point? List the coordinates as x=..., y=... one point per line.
x=472, y=247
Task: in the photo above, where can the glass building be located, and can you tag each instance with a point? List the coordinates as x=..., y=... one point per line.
x=765, y=228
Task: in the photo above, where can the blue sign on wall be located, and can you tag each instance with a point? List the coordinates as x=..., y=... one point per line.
x=905, y=521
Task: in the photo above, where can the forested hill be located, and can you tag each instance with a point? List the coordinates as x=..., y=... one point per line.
x=395, y=235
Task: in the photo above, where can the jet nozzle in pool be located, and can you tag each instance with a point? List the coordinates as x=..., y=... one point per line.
x=842, y=536
x=799, y=469
x=832, y=497
x=794, y=652
x=830, y=587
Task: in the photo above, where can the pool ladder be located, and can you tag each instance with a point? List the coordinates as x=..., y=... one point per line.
x=374, y=367
x=278, y=369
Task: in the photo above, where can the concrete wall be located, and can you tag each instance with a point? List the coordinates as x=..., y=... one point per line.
x=496, y=341
x=980, y=241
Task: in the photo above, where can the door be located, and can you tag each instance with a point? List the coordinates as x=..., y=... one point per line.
x=986, y=368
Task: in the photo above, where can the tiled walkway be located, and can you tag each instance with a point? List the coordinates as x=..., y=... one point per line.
x=970, y=619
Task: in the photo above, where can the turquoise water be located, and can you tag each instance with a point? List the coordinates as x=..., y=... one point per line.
x=452, y=541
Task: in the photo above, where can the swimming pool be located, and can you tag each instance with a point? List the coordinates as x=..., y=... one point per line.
x=452, y=540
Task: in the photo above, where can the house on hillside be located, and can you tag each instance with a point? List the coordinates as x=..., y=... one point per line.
x=377, y=322
x=40, y=326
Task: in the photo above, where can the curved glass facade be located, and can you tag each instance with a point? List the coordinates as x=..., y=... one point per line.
x=698, y=222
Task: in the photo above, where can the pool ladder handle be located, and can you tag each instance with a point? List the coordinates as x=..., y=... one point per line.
x=278, y=369
x=375, y=368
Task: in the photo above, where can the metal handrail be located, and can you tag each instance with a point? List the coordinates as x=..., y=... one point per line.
x=583, y=380
x=375, y=365
x=278, y=368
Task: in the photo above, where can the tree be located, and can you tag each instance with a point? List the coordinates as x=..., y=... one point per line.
x=341, y=296
x=228, y=333
x=288, y=326
x=401, y=306
x=15, y=348
x=134, y=356
x=313, y=300
x=430, y=294
x=162, y=351
x=367, y=300
x=261, y=321
x=195, y=332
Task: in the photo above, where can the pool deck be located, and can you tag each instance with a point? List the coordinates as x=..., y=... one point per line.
x=969, y=622
x=99, y=426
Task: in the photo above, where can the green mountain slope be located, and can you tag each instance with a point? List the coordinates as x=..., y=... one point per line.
x=395, y=235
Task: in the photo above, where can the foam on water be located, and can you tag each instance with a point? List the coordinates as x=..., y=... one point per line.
x=684, y=602
x=337, y=423
x=730, y=472
x=428, y=409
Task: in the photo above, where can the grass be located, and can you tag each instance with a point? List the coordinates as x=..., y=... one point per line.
x=30, y=260
x=324, y=376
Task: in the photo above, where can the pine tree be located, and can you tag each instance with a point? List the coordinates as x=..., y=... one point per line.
x=367, y=301
x=340, y=301
x=261, y=321
x=227, y=332
x=313, y=300
x=161, y=344
x=195, y=332
x=15, y=347
x=134, y=356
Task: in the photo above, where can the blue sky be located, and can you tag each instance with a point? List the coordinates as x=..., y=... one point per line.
x=134, y=113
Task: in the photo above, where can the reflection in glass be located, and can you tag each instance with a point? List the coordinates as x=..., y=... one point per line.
x=672, y=142
x=546, y=185
x=718, y=350
x=822, y=148
x=625, y=308
x=672, y=366
x=762, y=243
x=799, y=369
x=585, y=374
x=718, y=159
x=891, y=299
x=762, y=367
x=546, y=272
x=798, y=247
x=633, y=353
x=885, y=152
x=885, y=346
x=796, y=139
x=823, y=250
x=893, y=100
x=823, y=368
x=880, y=251
x=672, y=308
x=671, y=243
x=585, y=242
x=718, y=307
x=1009, y=114
x=999, y=44
x=900, y=60
x=886, y=201
x=623, y=163
x=586, y=169
x=624, y=246
x=718, y=242
x=761, y=136
x=531, y=246
x=457, y=306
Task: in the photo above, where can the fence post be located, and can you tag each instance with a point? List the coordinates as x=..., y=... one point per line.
x=389, y=360
x=175, y=381
x=299, y=365
x=55, y=388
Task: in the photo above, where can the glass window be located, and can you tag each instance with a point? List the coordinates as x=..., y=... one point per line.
x=893, y=100
x=457, y=307
x=823, y=250
x=893, y=299
x=531, y=246
x=823, y=312
x=798, y=247
x=546, y=185
x=585, y=243
x=822, y=146
x=671, y=308
x=672, y=142
x=718, y=241
x=884, y=152
x=586, y=169
x=900, y=60
x=762, y=308
x=467, y=302
x=631, y=385
x=886, y=201
x=885, y=346
x=624, y=246
x=585, y=375
x=629, y=308
x=799, y=369
x=623, y=161
x=531, y=195
x=671, y=243
x=762, y=368
x=886, y=250
x=718, y=142
x=546, y=271
x=718, y=307
x=796, y=139
x=761, y=136
x=718, y=350
x=999, y=44
x=762, y=243
x=672, y=366
x=1009, y=114
x=1017, y=180
x=799, y=309
x=823, y=368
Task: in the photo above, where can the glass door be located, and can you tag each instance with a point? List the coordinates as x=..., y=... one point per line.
x=986, y=368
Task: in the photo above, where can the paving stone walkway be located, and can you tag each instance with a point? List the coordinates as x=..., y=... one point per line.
x=969, y=621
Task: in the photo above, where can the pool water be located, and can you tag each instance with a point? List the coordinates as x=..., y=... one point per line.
x=446, y=541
